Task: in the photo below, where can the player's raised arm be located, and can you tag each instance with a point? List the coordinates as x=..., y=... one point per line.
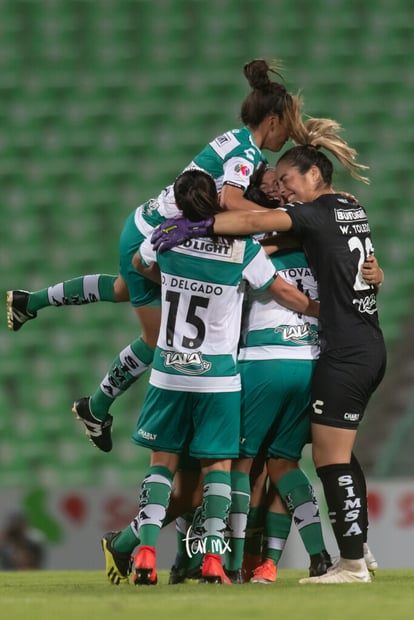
x=175, y=231
x=291, y=297
x=247, y=222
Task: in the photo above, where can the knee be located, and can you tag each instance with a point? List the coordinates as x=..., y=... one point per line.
x=121, y=292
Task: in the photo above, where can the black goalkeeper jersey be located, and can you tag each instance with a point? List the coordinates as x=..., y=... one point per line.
x=336, y=239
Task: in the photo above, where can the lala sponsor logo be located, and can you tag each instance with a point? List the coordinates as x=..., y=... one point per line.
x=187, y=363
x=300, y=334
x=366, y=304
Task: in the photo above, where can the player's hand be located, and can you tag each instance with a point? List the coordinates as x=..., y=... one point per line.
x=176, y=230
x=372, y=272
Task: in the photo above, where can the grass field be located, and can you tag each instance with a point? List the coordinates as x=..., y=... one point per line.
x=64, y=595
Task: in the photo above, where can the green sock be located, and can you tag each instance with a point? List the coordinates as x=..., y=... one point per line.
x=130, y=364
x=195, y=561
x=277, y=530
x=75, y=292
x=189, y=553
x=297, y=492
x=253, y=542
x=240, y=498
x=128, y=538
x=153, y=501
x=192, y=548
x=126, y=541
x=215, y=510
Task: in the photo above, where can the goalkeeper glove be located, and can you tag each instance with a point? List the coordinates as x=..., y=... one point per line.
x=176, y=230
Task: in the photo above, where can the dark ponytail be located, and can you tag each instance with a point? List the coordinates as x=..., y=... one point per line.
x=268, y=97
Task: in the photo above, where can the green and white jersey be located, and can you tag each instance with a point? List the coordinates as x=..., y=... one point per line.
x=230, y=159
x=203, y=283
x=270, y=331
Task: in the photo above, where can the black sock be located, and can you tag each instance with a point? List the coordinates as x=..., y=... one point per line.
x=345, y=504
x=360, y=478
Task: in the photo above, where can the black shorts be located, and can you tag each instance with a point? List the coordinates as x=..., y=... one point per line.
x=343, y=382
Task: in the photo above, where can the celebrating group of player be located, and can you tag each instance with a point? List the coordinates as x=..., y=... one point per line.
x=257, y=346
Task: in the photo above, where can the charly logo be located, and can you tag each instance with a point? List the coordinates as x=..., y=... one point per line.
x=351, y=417
x=147, y=435
x=187, y=363
x=367, y=304
x=299, y=334
x=317, y=406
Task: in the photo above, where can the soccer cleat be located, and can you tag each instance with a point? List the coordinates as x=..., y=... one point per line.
x=212, y=570
x=250, y=562
x=235, y=576
x=370, y=560
x=177, y=575
x=181, y=575
x=98, y=431
x=193, y=574
x=145, y=572
x=319, y=563
x=340, y=575
x=118, y=564
x=17, y=312
x=265, y=573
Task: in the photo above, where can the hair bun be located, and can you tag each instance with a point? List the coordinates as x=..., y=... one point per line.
x=256, y=74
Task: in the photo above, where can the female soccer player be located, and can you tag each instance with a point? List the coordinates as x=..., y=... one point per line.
x=277, y=356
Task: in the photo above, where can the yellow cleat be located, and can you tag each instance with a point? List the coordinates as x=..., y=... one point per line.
x=117, y=563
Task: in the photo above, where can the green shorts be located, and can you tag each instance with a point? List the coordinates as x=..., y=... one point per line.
x=142, y=292
x=206, y=425
x=275, y=397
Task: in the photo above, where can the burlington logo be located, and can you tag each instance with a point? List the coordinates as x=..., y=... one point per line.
x=187, y=363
